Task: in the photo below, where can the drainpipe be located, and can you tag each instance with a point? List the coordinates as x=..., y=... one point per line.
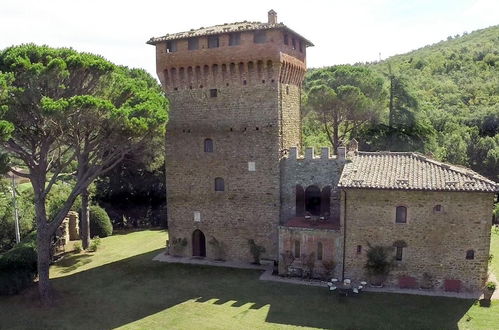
x=344, y=236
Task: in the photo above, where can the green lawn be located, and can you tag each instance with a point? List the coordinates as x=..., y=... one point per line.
x=494, y=249
x=120, y=286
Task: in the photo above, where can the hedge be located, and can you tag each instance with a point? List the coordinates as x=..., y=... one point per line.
x=100, y=223
x=18, y=266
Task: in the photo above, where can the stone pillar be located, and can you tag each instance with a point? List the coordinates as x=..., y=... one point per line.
x=74, y=230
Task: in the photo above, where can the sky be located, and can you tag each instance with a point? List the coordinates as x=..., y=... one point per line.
x=346, y=31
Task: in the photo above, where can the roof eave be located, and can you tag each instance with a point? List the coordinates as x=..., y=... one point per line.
x=421, y=189
x=157, y=40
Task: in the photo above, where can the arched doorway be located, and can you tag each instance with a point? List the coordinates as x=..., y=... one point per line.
x=198, y=244
x=313, y=200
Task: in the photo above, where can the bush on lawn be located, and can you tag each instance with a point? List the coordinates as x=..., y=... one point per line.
x=100, y=223
x=18, y=266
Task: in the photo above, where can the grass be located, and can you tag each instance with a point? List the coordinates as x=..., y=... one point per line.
x=120, y=287
x=494, y=250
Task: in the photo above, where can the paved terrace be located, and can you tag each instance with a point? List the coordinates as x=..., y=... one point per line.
x=267, y=268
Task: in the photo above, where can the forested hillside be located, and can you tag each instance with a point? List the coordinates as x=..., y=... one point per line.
x=442, y=100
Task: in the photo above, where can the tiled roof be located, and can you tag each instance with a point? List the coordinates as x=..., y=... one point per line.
x=224, y=28
x=410, y=171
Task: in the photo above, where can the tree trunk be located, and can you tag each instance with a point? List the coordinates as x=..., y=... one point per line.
x=43, y=251
x=85, y=220
x=336, y=133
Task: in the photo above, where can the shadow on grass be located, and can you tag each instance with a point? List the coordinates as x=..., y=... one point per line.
x=128, y=290
x=72, y=262
x=120, y=232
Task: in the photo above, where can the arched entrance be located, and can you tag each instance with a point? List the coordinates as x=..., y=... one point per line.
x=313, y=200
x=198, y=244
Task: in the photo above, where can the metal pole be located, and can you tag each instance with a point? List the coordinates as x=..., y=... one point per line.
x=16, y=214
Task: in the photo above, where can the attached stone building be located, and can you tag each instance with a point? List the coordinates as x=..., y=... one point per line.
x=234, y=171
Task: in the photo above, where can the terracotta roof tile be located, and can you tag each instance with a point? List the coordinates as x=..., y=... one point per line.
x=224, y=28
x=410, y=171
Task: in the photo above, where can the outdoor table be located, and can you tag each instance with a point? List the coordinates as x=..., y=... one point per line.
x=344, y=289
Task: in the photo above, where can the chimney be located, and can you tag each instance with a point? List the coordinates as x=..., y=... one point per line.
x=353, y=146
x=342, y=152
x=272, y=17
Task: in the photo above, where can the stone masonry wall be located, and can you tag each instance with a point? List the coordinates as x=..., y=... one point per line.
x=332, y=247
x=436, y=241
x=323, y=170
x=246, y=99
x=242, y=122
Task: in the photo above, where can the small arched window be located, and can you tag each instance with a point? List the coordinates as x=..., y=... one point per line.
x=219, y=184
x=438, y=208
x=208, y=145
x=401, y=214
x=297, y=249
x=319, y=251
x=470, y=254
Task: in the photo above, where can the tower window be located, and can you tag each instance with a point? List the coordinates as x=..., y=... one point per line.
x=286, y=39
x=171, y=46
x=438, y=208
x=213, y=42
x=208, y=145
x=259, y=37
x=234, y=39
x=470, y=254
x=213, y=92
x=398, y=253
x=193, y=44
x=319, y=251
x=300, y=45
x=401, y=214
x=219, y=184
x=293, y=43
x=297, y=249
x=359, y=249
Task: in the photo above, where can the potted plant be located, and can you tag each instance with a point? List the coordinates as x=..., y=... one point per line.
x=287, y=259
x=256, y=251
x=427, y=282
x=488, y=291
x=328, y=266
x=177, y=246
x=378, y=264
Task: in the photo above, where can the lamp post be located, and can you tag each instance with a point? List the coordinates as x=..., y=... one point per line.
x=16, y=214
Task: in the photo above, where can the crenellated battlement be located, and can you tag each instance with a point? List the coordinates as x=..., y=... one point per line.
x=309, y=154
x=250, y=73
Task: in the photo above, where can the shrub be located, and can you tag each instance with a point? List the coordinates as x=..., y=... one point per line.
x=94, y=245
x=329, y=266
x=287, y=259
x=77, y=247
x=100, y=223
x=308, y=262
x=18, y=266
x=256, y=251
x=177, y=245
x=490, y=286
x=379, y=263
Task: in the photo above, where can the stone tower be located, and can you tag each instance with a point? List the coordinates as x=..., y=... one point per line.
x=234, y=92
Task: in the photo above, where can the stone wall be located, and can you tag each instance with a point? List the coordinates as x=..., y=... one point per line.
x=323, y=170
x=437, y=242
x=246, y=99
x=332, y=248
x=243, y=129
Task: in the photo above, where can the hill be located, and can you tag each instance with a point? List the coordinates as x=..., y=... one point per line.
x=456, y=85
